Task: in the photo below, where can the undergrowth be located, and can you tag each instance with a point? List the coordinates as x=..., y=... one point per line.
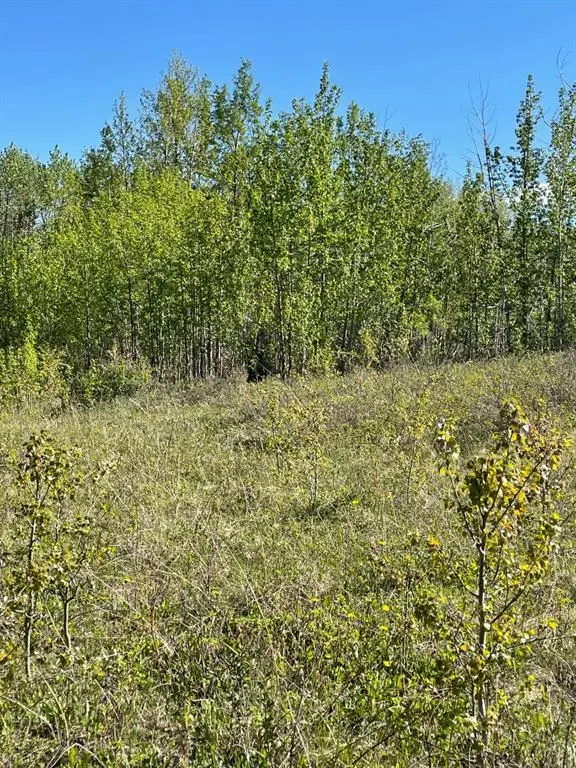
x=287, y=574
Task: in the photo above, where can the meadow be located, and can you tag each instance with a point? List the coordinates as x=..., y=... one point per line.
x=276, y=575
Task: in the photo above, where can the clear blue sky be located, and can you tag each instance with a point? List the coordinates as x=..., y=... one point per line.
x=414, y=63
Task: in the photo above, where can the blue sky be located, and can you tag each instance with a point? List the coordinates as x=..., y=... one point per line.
x=416, y=64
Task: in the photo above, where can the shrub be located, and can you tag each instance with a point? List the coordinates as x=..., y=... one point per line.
x=30, y=374
x=106, y=380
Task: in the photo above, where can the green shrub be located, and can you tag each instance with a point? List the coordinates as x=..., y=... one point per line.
x=29, y=374
x=110, y=379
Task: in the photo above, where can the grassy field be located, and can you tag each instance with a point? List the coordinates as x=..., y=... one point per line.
x=249, y=575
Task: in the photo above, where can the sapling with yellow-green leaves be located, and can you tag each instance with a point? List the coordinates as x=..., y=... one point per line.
x=296, y=435
x=51, y=544
x=506, y=506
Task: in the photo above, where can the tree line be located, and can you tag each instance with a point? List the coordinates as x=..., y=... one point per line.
x=210, y=233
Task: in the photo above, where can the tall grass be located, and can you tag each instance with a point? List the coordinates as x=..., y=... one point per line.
x=260, y=600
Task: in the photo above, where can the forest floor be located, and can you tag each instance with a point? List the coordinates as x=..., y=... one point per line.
x=254, y=596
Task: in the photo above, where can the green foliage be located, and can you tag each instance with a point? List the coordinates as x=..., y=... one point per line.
x=31, y=375
x=107, y=380
x=50, y=549
x=506, y=506
x=211, y=223
x=295, y=434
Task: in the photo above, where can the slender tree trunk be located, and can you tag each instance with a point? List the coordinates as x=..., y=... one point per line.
x=31, y=603
x=480, y=693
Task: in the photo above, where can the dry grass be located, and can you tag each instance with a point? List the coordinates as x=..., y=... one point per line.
x=237, y=510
